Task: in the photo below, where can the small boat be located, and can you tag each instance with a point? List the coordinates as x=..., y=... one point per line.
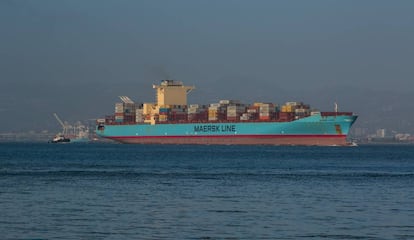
x=60, y=139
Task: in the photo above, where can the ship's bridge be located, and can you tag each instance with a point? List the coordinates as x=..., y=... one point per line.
x=172, y=92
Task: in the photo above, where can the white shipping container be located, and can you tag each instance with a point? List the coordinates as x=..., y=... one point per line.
x=119, y=107
x=301, y=110
x=192, y=110
x=217, y=105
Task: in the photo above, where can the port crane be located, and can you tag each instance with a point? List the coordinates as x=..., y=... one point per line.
x=65, y=126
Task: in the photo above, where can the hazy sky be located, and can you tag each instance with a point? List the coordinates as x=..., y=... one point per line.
x=76, y=57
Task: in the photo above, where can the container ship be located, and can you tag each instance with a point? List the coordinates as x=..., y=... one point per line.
x=171, y=121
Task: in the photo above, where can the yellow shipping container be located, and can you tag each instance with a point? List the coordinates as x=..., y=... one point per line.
x=257, y=104
x=288, y=108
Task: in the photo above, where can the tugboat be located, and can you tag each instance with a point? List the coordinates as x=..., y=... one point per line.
x=60, y=139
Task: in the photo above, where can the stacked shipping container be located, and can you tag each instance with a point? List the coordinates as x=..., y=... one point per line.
x=224, y=110
x=125, y=112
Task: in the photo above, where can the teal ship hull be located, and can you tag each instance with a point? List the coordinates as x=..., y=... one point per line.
x=312, y=130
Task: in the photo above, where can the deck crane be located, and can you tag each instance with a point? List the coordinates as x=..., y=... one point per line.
x=65, y=126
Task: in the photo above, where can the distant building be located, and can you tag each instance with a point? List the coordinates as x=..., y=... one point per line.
x=381, y=133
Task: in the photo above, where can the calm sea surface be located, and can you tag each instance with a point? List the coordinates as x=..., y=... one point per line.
x=114, y=191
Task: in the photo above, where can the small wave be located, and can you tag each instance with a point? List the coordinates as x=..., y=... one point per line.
x=226, y=211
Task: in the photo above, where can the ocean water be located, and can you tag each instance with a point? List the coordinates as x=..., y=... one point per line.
x=114, y=191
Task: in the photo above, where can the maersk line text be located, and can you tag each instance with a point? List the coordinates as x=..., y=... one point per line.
x=213, y=128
